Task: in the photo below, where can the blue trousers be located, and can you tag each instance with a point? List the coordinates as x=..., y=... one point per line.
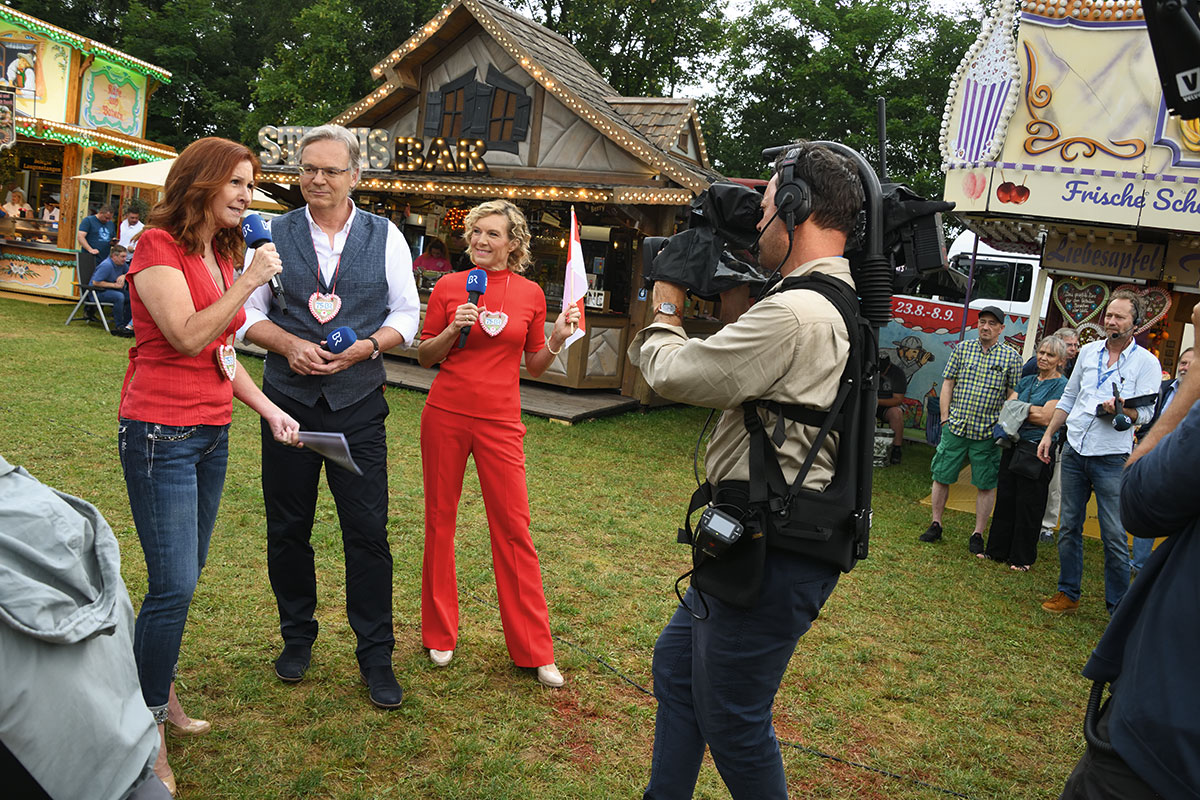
x=1081, y=477
x=174, y=476
x=122, y=313
x=716, y=679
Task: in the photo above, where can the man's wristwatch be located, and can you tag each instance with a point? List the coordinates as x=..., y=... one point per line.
x=670, y=309
x=374, y=343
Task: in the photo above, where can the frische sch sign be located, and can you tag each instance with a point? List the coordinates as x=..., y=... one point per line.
x=281, y=145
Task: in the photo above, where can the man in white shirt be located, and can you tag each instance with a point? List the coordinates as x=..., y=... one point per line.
x=342, y=267
x=1095, y=451
x=130, y=227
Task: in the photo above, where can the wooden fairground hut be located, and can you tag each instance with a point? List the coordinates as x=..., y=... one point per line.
x=482, y=103
x=69, y=106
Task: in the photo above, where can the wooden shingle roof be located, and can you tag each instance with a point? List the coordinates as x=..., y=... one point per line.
x=554, y=63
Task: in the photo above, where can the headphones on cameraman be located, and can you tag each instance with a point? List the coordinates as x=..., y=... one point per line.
x=793, y=198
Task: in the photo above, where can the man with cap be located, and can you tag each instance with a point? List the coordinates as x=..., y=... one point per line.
x=978, y=378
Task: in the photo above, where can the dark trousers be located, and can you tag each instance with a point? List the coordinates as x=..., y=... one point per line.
x=1017, y=518
x=1105, y=776
x=289, y=482
x=716, y=679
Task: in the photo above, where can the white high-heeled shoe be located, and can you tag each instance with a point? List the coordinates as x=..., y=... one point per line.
x=441, y=658
x=548, y=675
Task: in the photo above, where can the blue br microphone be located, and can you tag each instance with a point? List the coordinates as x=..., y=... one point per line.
x=476, y=286
x=256, y=233
x=340, y=339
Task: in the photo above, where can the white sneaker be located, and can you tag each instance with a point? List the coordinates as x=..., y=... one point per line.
x=549, y=675
x=441, y=658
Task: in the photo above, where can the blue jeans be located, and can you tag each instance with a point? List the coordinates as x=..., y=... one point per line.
x=716, y=679
x=122, y=314
x=174, y=476
x=1081, y=476
x=1141, y=551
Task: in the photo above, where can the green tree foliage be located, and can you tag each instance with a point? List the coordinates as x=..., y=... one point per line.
x=641, y=47
x=322, y=63
x=95, y=19
x=813, y=69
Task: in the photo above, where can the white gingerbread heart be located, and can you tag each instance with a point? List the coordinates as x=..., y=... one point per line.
x=492, y=322
x=324, y=307
x=227, y=360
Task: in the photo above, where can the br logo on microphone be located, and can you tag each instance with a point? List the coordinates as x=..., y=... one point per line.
x=341, y=339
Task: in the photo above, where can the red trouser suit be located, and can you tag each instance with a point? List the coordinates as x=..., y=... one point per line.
x=446, y=441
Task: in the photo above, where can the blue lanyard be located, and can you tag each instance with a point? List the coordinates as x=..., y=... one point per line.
x=1101, y=375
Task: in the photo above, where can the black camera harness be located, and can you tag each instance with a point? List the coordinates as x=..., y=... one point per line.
x=831, y=525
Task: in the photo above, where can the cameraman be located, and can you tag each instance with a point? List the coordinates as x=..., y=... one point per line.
x=716, y=677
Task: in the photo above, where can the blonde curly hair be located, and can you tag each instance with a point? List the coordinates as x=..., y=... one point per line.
x=518, y=230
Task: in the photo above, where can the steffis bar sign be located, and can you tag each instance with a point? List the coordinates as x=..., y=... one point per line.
x=280, y=145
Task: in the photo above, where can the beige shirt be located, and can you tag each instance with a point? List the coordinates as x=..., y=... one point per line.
x=790, y=347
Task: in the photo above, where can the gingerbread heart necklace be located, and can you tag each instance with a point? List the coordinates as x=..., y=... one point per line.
x=492, y=322
x=227, y=359
x=225, y=354
x=324, y=306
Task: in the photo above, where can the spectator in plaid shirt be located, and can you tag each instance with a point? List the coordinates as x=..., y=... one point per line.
x=979, y=376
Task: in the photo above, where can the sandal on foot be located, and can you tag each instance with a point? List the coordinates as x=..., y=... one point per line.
x=1019, y=567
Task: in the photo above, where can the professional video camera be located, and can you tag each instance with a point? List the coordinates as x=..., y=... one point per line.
x=723, y=218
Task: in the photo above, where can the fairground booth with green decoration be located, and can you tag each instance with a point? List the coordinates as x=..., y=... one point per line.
x=69, y=106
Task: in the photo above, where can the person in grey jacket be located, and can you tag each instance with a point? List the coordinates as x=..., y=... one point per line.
x=72, y=719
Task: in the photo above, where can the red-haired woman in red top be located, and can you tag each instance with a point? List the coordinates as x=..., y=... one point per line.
x=474, y=408
x=176, y=404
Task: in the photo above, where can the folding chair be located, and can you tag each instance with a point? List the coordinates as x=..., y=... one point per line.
x=88, y=293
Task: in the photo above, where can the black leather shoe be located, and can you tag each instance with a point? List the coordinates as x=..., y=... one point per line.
x=382, y=687
x=293, y=662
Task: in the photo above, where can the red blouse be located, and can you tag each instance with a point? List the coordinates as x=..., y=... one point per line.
x=162, y=385
x=483, y=379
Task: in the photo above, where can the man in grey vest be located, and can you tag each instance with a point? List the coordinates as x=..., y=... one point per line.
x=342, y=267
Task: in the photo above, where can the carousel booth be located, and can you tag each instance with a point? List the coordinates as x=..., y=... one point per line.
x=69, y=106
x=482, y=103
x=1057, y=141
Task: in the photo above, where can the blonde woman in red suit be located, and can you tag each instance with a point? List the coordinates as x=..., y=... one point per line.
x=474, y=408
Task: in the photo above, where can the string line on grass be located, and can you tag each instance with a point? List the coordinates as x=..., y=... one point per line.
x=794, y=745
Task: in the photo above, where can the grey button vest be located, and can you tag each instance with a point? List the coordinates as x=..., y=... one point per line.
x=362, y=285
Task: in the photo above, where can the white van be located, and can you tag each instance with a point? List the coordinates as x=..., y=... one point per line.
x=1002, y=279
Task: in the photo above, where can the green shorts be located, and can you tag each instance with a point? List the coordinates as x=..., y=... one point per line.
x=953, y=450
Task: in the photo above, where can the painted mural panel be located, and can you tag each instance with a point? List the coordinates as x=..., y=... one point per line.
x=918, y=340
x=37, y=69
x=37, y=273
x=113, y=97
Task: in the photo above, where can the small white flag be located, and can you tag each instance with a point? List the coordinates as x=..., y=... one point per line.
x=575, y=285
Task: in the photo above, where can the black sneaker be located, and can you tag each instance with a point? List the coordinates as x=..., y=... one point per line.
x=897, y=453
x=933, y=533
x=975, y=543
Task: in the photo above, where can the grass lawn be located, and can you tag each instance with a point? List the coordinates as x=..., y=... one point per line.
x=925, y=663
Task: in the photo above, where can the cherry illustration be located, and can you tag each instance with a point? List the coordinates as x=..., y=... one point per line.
x=1020, y=194
x=1004, y=192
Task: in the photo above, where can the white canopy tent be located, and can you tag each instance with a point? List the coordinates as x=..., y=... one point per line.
x=153, y=175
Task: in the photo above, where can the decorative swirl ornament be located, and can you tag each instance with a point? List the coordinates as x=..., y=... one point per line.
x=1043, y=131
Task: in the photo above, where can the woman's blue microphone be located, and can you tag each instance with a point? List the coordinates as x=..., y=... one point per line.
x=256, y=233
x=476, y=286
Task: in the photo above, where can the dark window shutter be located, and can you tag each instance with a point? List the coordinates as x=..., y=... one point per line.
x=520, y=128
x=481, y=113
x=433, y=112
